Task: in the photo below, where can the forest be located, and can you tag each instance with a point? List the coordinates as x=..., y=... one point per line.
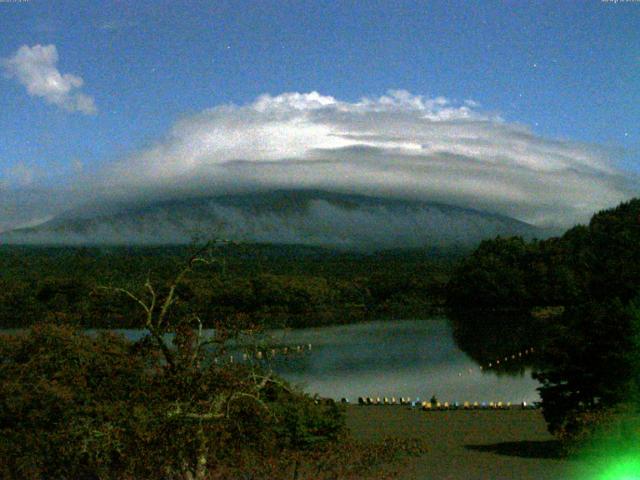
x=576, y=298
x=271, y=285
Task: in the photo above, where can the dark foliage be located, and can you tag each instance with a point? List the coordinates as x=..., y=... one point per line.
x=75, y=406
x=270, y=285
x=571, y=298
x=587, y=363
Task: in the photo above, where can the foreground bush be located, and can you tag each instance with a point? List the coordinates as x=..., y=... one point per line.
x=75, y=406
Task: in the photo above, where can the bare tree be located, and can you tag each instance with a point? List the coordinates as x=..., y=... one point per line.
x=188, y=357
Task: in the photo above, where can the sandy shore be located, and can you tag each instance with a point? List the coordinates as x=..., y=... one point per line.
x=470, y=445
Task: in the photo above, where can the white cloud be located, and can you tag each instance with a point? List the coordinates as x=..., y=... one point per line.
x=35, y=68
x=397, y=145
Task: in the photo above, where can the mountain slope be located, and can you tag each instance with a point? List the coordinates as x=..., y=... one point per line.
x=352, y=222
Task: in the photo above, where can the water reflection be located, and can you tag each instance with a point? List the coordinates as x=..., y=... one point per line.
x=395, y=358
x=487, y=336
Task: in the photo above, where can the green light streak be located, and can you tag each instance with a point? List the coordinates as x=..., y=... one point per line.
x=626, y=468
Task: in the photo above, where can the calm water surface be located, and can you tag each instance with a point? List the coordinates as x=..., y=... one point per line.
x=409, y=358
x=413, y=358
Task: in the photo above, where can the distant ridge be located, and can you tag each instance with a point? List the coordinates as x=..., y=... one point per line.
x=300, y=217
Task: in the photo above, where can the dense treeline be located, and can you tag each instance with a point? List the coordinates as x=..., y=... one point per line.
x=574, y=297
x=599, y=261
x=274, y=286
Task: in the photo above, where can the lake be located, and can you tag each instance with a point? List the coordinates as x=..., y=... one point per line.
x=410, y=358
x=407, y=358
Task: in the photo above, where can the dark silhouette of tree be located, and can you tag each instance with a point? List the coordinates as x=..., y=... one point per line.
x=572, y=297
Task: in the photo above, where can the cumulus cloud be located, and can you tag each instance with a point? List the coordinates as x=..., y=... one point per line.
x=36, y=69
x=398, y=145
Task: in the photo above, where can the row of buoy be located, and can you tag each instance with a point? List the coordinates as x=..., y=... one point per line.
x=265, y=354
x=510, y=357
x=382, y=401
x=429, y=406
x=496, y=363
x=433, y=406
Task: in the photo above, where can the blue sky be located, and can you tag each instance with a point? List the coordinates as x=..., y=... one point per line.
x=567, y=70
